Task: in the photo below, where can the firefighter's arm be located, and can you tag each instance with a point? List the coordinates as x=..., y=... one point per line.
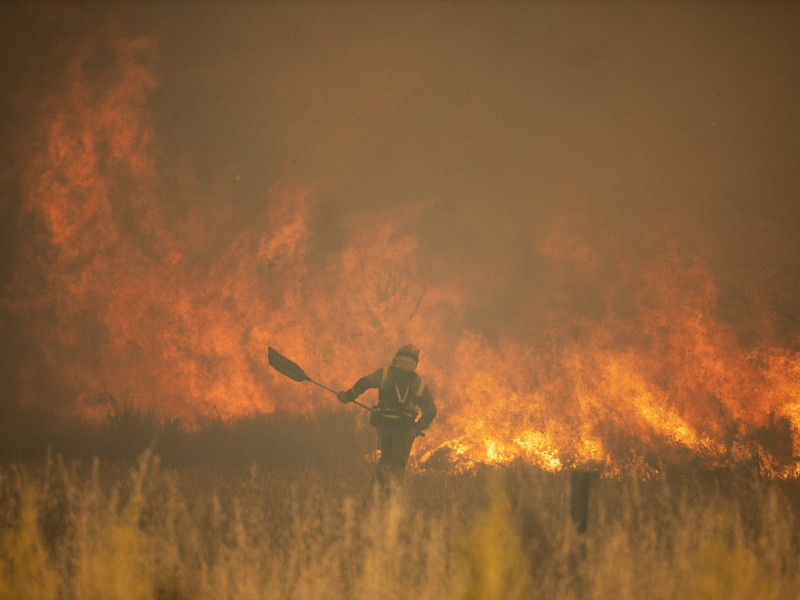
x=428, y=407
x=372, y=380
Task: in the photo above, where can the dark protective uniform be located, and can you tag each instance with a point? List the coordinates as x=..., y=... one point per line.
x=405, y=408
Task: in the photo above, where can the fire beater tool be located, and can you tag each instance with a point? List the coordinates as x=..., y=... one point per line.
x=293, y=371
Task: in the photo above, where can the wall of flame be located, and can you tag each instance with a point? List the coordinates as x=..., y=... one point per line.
x=134, y=277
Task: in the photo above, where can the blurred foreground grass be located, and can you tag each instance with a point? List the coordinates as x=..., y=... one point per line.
x=278, y=509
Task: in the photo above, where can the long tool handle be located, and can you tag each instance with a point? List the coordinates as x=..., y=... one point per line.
x=335, y=393
x=295, y=372
x=364, y=406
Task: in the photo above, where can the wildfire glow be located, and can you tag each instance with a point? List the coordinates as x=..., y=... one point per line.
x=131, y=286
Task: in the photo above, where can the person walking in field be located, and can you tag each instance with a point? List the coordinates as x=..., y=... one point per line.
x=405, y=408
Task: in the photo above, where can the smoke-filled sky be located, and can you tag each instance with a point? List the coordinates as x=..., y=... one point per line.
x=185, y=183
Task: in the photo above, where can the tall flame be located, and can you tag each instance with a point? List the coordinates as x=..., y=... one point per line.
x=135, y=280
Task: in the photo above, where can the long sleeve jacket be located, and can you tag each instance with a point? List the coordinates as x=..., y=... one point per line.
x=399, y=390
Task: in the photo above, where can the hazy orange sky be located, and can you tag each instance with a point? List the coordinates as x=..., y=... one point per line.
x=500, y=139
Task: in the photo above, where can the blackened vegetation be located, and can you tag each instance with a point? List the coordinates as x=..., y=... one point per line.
x=341, y=438
x=767, y=450
x=128, y=431
x=296, y=486
x=580, y=488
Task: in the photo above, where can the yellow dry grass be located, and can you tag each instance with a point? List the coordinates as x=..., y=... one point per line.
x=130, y=531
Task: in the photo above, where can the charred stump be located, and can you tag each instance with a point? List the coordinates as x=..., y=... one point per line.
x=580, y=486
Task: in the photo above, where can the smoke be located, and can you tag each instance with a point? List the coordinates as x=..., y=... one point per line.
x=510, y=186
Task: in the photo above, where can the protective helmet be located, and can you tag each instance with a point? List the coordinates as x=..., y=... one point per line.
x=409, y=350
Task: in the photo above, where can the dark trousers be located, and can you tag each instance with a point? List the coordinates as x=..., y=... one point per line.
x=394, y=444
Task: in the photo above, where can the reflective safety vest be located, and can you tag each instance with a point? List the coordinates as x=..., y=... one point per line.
x=389, y=392
x=395, y=407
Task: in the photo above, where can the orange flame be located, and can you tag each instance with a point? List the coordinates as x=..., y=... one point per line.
x=133, y=288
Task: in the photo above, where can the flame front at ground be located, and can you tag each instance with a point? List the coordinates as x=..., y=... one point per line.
x=140, y=282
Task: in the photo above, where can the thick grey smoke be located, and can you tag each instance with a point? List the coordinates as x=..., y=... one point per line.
x=621, y=130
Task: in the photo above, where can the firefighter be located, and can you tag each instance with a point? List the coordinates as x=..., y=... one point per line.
x=405, y=408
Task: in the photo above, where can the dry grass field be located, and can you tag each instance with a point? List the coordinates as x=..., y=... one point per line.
x=259, y=511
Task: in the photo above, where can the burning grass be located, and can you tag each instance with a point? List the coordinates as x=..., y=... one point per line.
x=305, y=524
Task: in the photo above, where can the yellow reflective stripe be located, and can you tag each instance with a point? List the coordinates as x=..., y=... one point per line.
x=421, y=387
x=384, y=375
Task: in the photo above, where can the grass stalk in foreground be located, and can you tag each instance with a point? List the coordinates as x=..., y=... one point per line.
x=92, y=529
